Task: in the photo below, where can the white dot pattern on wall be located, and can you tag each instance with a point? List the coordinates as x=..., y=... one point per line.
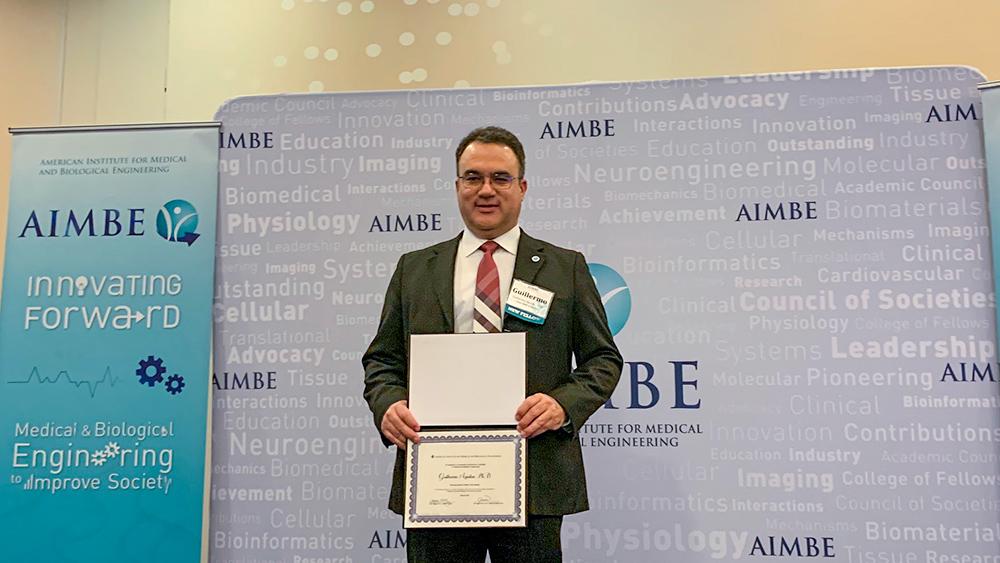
x=416, y=75
x=387, y=21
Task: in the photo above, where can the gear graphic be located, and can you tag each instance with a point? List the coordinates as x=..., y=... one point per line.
x=143, y=371
x=111, y=450
x=98, y=458
x=175, y=384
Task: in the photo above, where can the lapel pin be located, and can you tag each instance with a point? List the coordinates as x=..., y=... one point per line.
x=535, y=258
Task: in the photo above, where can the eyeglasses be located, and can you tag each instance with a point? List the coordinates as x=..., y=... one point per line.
x=499, y=181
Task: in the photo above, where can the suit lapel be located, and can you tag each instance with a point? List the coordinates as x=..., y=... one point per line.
x=443, y=279
x=530, y=258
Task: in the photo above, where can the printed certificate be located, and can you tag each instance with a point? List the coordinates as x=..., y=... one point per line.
x=466, y=479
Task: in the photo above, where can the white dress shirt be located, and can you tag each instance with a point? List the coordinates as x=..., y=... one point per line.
x=467, y=266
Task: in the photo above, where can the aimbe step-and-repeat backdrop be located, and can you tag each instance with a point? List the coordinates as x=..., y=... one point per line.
x=797, y=267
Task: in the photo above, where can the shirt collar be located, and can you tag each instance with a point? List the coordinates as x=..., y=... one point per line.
x=471, y=243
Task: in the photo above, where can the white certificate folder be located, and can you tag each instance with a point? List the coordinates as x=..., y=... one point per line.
x=462, y=474
x=466, y=379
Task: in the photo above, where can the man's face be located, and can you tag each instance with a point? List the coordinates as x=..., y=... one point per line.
x=489, y=212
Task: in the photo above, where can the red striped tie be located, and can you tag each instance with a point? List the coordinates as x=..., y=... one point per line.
x=486, y=310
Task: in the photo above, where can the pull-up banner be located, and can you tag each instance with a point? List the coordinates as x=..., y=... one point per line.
x=105, y=332
x=796, y=267
x=990, y=92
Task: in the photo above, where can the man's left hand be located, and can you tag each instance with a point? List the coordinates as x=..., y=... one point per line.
x=539, y=413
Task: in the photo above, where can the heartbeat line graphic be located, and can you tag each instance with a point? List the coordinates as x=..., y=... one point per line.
x=91, y=385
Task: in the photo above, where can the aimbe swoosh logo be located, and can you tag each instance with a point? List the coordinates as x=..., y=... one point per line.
x=615, y=295
x=177, y=221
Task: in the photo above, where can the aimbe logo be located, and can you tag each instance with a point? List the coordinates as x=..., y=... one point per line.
x=177, y=221
x=642, y=391
x=615, y=295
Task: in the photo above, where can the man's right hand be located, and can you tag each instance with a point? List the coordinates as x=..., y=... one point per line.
x=399, y=425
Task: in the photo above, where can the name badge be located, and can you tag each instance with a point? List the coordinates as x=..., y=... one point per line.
x=528, y=302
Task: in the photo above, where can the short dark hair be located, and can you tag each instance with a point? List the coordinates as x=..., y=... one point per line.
x=492, y=135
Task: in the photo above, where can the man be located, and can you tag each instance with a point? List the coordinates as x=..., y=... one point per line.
x=447, y=288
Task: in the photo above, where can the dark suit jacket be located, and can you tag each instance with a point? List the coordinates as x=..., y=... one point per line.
x=420, y=300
